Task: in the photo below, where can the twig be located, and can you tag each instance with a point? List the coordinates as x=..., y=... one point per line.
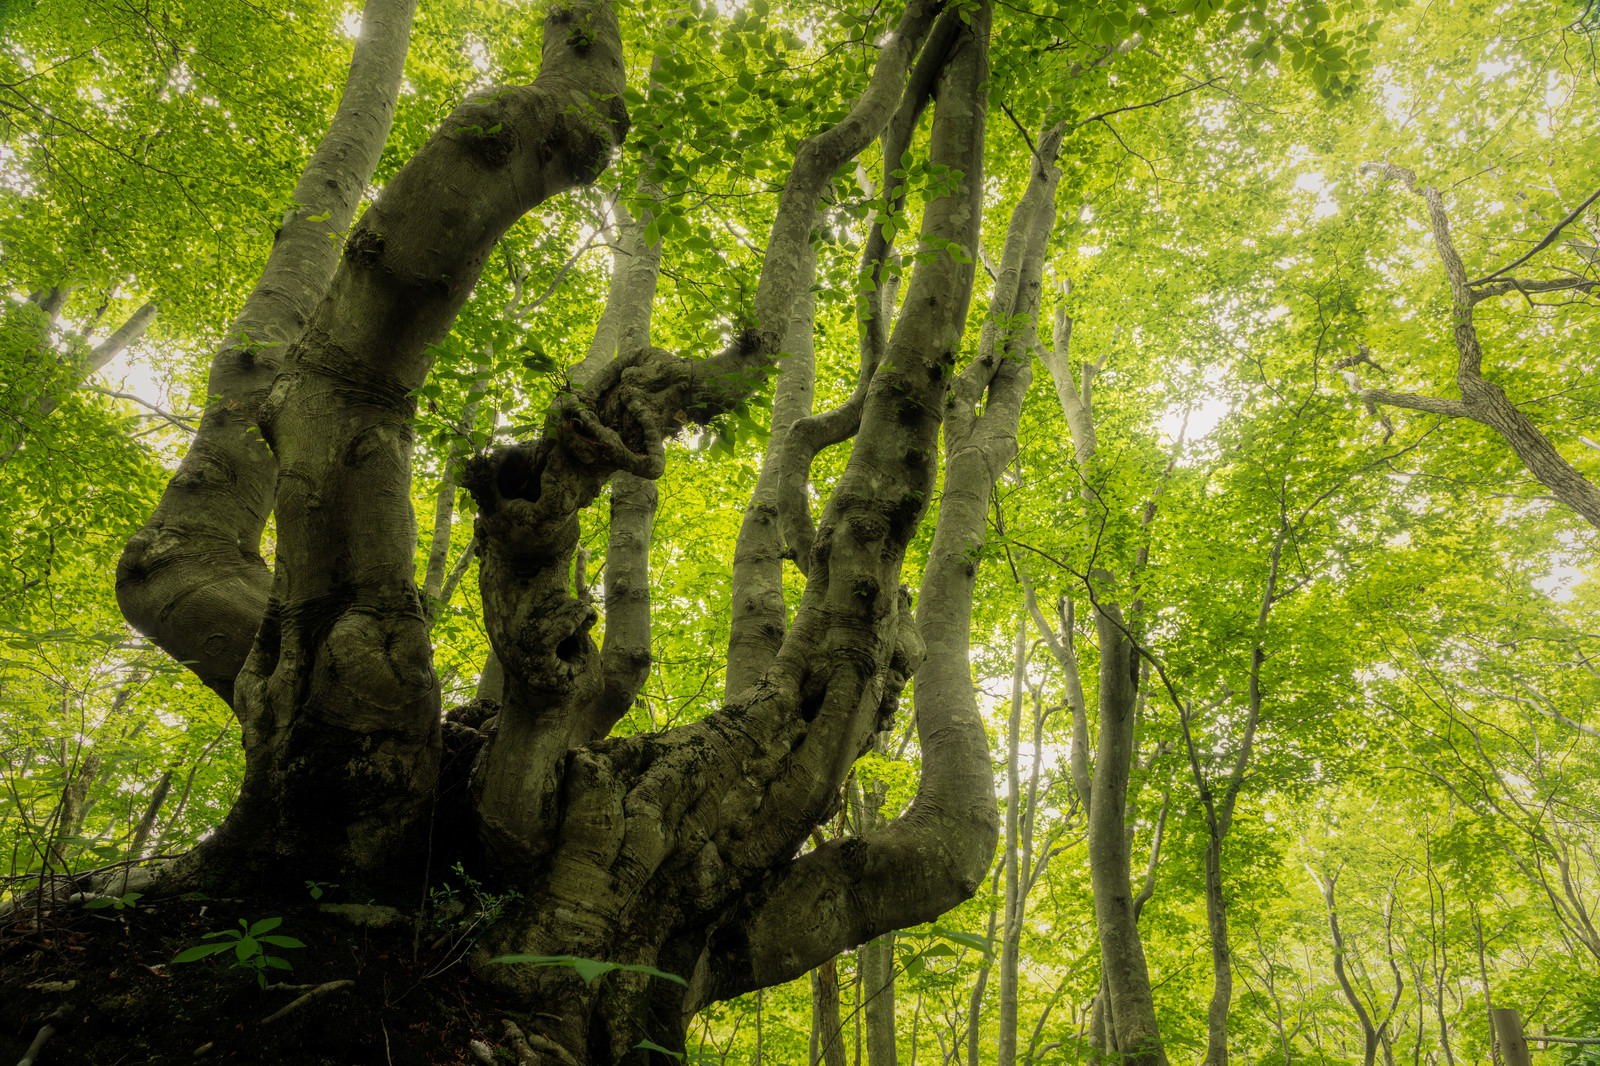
x=320, y=990
x=1542, y=245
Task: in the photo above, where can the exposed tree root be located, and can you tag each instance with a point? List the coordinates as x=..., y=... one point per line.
x=46, y=1031
x=320, y=990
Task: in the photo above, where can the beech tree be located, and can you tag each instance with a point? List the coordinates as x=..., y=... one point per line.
x=676, y=851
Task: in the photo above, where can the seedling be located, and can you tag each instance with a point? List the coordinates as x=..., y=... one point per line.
x=124, y=902
x=249, y=945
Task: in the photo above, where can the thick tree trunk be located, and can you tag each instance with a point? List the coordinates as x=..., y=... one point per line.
x=193, y=578
x=674, y=851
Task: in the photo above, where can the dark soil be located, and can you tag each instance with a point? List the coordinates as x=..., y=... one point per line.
x=107, y=982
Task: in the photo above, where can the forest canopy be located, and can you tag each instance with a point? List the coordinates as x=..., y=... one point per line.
x=797, y=531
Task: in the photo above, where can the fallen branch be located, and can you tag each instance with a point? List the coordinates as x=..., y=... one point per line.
x=46, y=1031
x=320, y=990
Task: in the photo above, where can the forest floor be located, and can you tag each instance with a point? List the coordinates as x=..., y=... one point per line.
x=106, y=982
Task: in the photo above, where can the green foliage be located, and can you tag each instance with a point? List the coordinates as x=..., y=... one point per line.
x=1428, y=687
x=249, y=944
x=588, y=970
x=127, y=901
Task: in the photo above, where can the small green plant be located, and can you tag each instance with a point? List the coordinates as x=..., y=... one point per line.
x=249, y=944
x=124, y=902
x=472, y=905
x=588, y=969
x=316, y=888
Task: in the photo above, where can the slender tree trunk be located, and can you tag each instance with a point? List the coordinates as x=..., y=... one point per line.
x=980, y=986
x=827, y=1034
x=1369, y=1032
x=1221, y=956
x=875, y=961
x=1128, y=994
x=1011, y=940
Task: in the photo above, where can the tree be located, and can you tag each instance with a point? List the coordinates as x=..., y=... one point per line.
x=674, y=850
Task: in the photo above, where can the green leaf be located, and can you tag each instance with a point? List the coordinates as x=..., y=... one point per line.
x=650, y=1045
x=280, y=941
x=588, y=969
x=200, y=951
x=968, y=940
x=265, y=925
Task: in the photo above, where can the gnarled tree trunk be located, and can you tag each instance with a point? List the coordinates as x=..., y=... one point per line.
x=673, y=851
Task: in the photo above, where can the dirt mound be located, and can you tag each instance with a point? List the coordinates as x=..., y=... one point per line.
x=106, y=982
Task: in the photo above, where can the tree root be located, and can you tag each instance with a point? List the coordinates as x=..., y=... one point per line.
x=532, y=1049
x=320, y=990
x=46, y=1031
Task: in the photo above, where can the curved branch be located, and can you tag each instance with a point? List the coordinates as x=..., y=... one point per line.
x=808, y=437
x=193, y=579
x=1483, y=400
x=342, y=653
x=760, y=617
x=934, y=855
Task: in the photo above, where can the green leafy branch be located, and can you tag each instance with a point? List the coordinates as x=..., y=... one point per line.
x=249, y=944
x=588, y=969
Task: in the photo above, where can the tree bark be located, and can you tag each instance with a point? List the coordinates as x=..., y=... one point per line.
x=827, y=1035
x=193, y=578
x=1011, y=937
x=1481, y=399
x=1126, y=1003
x=673, y=850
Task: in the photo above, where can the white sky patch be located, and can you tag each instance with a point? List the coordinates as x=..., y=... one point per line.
x=1493, y=68
x=1558, y=584
x=350, y=23
x=1313, y=182
x=1396, y=101
x=1564, y=576
x=1202, y=419
x=13, y=176
x=1556, y=96
x=478, y=54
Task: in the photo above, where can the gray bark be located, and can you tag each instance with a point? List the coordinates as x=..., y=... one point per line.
x=338, y=699
x=1481, y=399
x=1011, y=937
x=193, y=578
x=675, y=849
x=1125, y=1009
x=827, y=1035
